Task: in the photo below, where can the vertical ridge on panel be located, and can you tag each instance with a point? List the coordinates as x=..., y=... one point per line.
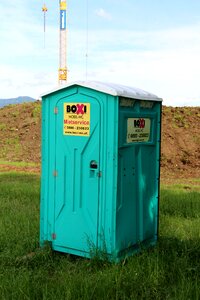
x=140, y=185
x=61, y=186
x=120, y=180
x=74, y=181
x=80, y=182
x=64, y=180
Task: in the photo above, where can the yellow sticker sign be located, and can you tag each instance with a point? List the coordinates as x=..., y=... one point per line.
x=138, y=130
x=76, y=119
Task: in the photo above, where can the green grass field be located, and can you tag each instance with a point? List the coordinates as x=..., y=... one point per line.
x=171, y=270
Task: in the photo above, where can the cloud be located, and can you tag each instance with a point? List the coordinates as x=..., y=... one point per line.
x=164, y=62
x=103, y=14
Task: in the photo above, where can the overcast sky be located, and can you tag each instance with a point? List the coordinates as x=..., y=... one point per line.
x=150, y=44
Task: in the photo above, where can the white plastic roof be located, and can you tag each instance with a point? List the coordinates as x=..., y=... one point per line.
x=111, y=89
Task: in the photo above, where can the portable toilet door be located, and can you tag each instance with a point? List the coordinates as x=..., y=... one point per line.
x=84, y=146
x=78, y=159
x=74, y=157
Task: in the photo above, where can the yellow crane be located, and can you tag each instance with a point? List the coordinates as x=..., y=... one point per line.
x=62, y=71
x=44, y=9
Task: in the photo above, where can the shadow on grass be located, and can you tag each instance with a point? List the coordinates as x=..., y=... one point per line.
x=168, y=271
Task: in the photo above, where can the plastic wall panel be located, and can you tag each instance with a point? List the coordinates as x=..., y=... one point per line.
x=138, y=181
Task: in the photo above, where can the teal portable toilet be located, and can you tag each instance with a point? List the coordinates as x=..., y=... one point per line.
x=100, y=169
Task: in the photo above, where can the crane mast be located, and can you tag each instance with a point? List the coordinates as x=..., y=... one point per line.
x=62, y=71
x=44, y=9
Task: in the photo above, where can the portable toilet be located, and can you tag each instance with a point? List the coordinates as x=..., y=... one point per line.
x=100, y=169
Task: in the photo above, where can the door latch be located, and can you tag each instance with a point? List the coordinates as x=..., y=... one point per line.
x=93, y=164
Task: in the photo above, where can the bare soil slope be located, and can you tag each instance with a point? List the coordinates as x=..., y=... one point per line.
x=20, y=128
x=180, y=142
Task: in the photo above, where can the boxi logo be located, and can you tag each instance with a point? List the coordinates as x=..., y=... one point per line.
x=76, y=109
x=140, y=123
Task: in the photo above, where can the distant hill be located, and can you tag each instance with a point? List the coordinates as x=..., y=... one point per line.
x=21, y=99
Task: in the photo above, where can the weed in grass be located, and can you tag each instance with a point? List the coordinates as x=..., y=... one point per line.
x=2, y=127
x=15, y=114
x=196, y=139
x=178, y=117
x=36, y=111
x=175, y=126
x=12, y=141
x=99, y=257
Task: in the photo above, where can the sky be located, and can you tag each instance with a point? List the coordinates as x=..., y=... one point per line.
x=149, y=44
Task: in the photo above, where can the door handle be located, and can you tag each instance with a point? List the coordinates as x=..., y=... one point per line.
x=93, y=164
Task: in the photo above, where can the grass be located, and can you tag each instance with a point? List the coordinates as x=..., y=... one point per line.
x=19, y=163
x=36, y=111
x=12, y=142
x=171, y=270
x=2, y=127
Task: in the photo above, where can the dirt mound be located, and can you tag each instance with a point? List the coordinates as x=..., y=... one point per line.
x=20, y=128
x=180, y=155
x=20, y=132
